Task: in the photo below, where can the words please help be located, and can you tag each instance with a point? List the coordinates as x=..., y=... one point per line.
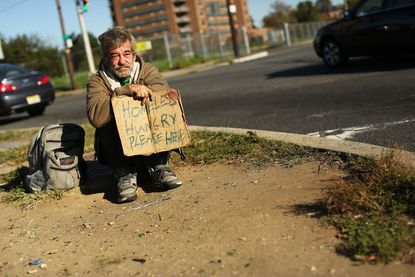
x=157, y=126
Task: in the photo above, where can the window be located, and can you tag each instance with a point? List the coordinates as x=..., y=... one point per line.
x=401, y=3
x=370, y=6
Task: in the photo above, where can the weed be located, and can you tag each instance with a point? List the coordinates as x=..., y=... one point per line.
x=383, y=186
x=375, y=238
x=231, y=252
x=62, y=83
x=11, y=135
x=210, y=147
x=370, y=207
x=16, y=192
x=14, y=156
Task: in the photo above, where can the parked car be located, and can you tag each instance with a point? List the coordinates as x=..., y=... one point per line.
x=371, y=28
x=23, y=90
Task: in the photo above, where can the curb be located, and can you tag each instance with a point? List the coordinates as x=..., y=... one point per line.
x=259, y=55
x=193, y=69
x=343, y=146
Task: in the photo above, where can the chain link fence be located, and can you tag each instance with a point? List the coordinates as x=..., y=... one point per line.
x=171, y=51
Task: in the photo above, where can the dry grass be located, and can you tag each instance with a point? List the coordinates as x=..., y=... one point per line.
x=374, y=209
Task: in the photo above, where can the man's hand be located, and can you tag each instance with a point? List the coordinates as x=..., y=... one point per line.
x=173, y=93
x=140, y=93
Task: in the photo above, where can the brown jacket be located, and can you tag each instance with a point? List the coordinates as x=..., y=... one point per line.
x=99, y=110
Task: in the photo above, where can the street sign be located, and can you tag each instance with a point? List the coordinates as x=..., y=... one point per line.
x=142, y=46
x=68, y=43
x=232, y=8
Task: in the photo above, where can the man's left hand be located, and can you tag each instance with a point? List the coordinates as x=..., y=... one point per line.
x=173, y=93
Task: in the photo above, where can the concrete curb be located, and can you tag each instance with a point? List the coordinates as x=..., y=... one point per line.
x=192, y=69
x=349, y=147
x=259, y=55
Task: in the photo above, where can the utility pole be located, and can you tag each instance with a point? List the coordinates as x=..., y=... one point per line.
x=231, y=10
x=1, y=52
x=85, y=36
x=67, y=49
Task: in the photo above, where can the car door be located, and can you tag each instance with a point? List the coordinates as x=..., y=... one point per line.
x=398, y=26
x=362, y=35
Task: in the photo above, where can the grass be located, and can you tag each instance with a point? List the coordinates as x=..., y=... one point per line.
x=17, y=193
x=373, y=208
x=210, y=147
x=374, y=238
x=62, y=83
x=14, y=156
x=12, y=135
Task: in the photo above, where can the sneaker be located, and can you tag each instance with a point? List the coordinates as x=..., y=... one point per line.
x=127, y=185
x=164, y=178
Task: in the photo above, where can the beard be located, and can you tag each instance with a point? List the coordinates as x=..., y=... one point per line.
x=121, y=72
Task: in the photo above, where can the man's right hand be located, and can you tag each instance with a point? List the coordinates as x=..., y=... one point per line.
x=140, y=93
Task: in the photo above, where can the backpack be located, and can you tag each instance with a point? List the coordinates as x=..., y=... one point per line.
x=55, y=157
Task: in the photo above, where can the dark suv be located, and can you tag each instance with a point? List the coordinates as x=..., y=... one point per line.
x=371, y=28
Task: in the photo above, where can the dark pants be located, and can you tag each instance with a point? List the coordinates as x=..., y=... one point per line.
x=108, y=150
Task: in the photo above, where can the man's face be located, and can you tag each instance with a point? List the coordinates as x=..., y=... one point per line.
x=121, y=60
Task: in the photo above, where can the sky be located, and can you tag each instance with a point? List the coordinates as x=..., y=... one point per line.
x=40, y=17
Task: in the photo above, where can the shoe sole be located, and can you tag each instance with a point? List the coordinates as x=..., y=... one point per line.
x=165, y=187
x=126, y=199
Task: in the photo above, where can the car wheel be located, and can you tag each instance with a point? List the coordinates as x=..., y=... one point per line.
x=36, y=111
x=332, y=54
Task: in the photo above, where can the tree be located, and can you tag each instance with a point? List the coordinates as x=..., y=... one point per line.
x=306, y=12
x=78, y=51
x=281, y=13
x=32, y=53
x=351, y=3
x=324, y=6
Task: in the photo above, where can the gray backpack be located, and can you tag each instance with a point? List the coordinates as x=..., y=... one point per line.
x=55, y=157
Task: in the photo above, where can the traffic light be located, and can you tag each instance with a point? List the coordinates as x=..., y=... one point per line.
x=85, y=7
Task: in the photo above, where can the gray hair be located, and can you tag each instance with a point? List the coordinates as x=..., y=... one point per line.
x=114, y=37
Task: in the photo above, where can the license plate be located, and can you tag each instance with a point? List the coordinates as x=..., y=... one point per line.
x=33, y=99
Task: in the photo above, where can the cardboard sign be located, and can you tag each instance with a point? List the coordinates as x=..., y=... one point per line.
x=157, y=126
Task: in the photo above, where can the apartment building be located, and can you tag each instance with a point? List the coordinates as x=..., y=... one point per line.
x=153, y=18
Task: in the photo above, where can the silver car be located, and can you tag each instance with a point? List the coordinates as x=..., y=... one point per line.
x=23, y=90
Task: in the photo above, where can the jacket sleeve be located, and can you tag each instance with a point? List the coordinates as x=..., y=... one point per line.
x=152, y=78
x=98, y=102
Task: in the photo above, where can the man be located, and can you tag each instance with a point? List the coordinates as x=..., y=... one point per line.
x=123, y=72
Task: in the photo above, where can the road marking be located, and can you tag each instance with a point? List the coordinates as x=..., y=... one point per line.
x=350, y=132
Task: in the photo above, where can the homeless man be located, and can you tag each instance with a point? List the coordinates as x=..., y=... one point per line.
x=123, y=72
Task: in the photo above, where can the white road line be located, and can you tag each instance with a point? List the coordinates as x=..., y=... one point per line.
x=350, y=132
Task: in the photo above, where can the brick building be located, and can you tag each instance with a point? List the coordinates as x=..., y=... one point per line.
x=152, y=18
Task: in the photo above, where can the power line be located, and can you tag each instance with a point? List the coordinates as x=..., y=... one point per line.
x=12, y=6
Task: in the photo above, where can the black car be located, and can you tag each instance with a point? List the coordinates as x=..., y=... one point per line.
x=23, y=90
x=371, y=28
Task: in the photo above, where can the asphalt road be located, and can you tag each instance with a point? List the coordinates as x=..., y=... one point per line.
x=371, y=100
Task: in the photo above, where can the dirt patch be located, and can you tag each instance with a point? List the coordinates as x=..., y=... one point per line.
x=223, y=221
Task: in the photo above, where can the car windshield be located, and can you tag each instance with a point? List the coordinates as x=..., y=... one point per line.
x=401, y=3
x=370, y=6
x=10, y=70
